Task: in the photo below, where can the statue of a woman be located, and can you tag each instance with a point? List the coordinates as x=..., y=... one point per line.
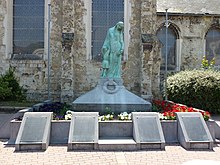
x=112, y=51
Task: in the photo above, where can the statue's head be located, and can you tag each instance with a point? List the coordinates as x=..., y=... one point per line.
x=120, y=26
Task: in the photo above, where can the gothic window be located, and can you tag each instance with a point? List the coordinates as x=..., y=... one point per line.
x=105, y=14
x=213, y=45
x=28, y=26
x=171, y=47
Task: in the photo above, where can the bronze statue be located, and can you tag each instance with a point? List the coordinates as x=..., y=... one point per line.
x=112, y=51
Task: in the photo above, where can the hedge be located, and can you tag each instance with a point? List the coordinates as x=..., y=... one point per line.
x=196, y=88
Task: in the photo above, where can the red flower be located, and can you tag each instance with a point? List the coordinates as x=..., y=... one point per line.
x=169, y=108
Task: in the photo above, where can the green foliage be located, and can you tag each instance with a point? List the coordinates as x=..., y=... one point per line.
x=206, y=64
x=64, y=109
x=10, y=88
x=196, y=88
x=5, y=91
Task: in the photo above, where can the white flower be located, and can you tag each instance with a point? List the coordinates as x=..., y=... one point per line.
x=68, y=116
x=124, y=116
x=106, y=117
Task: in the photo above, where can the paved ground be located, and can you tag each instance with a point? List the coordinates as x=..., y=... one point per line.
x=58, y=155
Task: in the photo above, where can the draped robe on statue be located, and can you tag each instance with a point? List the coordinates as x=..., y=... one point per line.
x=112, y=51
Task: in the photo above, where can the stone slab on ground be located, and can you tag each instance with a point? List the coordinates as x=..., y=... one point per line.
x=83, y=132
x=193, y=131
x=34, y=132
x=147, y=130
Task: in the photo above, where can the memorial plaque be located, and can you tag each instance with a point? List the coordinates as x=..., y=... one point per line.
x=148, y=129
x=83, y=129
x=83, y=132
x=195, y=129
x=34, y=128
x=34, y=132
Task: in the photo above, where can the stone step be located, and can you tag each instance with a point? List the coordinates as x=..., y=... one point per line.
x=117, y=143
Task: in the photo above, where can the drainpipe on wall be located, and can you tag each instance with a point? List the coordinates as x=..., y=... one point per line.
x=48, y=85
x=166, y=42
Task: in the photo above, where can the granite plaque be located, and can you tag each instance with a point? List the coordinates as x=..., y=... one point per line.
x=193, y=131
x=83, y=132
x=83, y=129
x=34, y=132
x=147, y=130
x=34, y=128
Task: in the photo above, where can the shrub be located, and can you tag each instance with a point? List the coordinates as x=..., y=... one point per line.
x=59, y=109
x=5, y=91
x=196, y=88
x=10, y=88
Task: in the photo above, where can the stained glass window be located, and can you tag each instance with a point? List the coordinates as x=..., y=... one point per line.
x=28, y=26
x=105, y=14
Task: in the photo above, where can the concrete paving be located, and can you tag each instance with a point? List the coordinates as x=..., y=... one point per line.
x=173, y=154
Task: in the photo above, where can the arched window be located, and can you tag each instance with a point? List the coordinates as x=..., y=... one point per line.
x=171, y=47
x=213, y=45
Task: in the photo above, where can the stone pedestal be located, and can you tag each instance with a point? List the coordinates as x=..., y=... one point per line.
x=110, y=95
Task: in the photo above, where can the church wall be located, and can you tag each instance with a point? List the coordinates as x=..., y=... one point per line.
x=3, y=61
x=192, y=30
x=73, y=73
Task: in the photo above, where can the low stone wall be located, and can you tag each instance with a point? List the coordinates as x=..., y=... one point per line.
x=60, y=130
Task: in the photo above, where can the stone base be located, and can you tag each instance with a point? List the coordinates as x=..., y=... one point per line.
x=116, y=108
x=81, y=146
x=113, y=128
x=110, y=95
